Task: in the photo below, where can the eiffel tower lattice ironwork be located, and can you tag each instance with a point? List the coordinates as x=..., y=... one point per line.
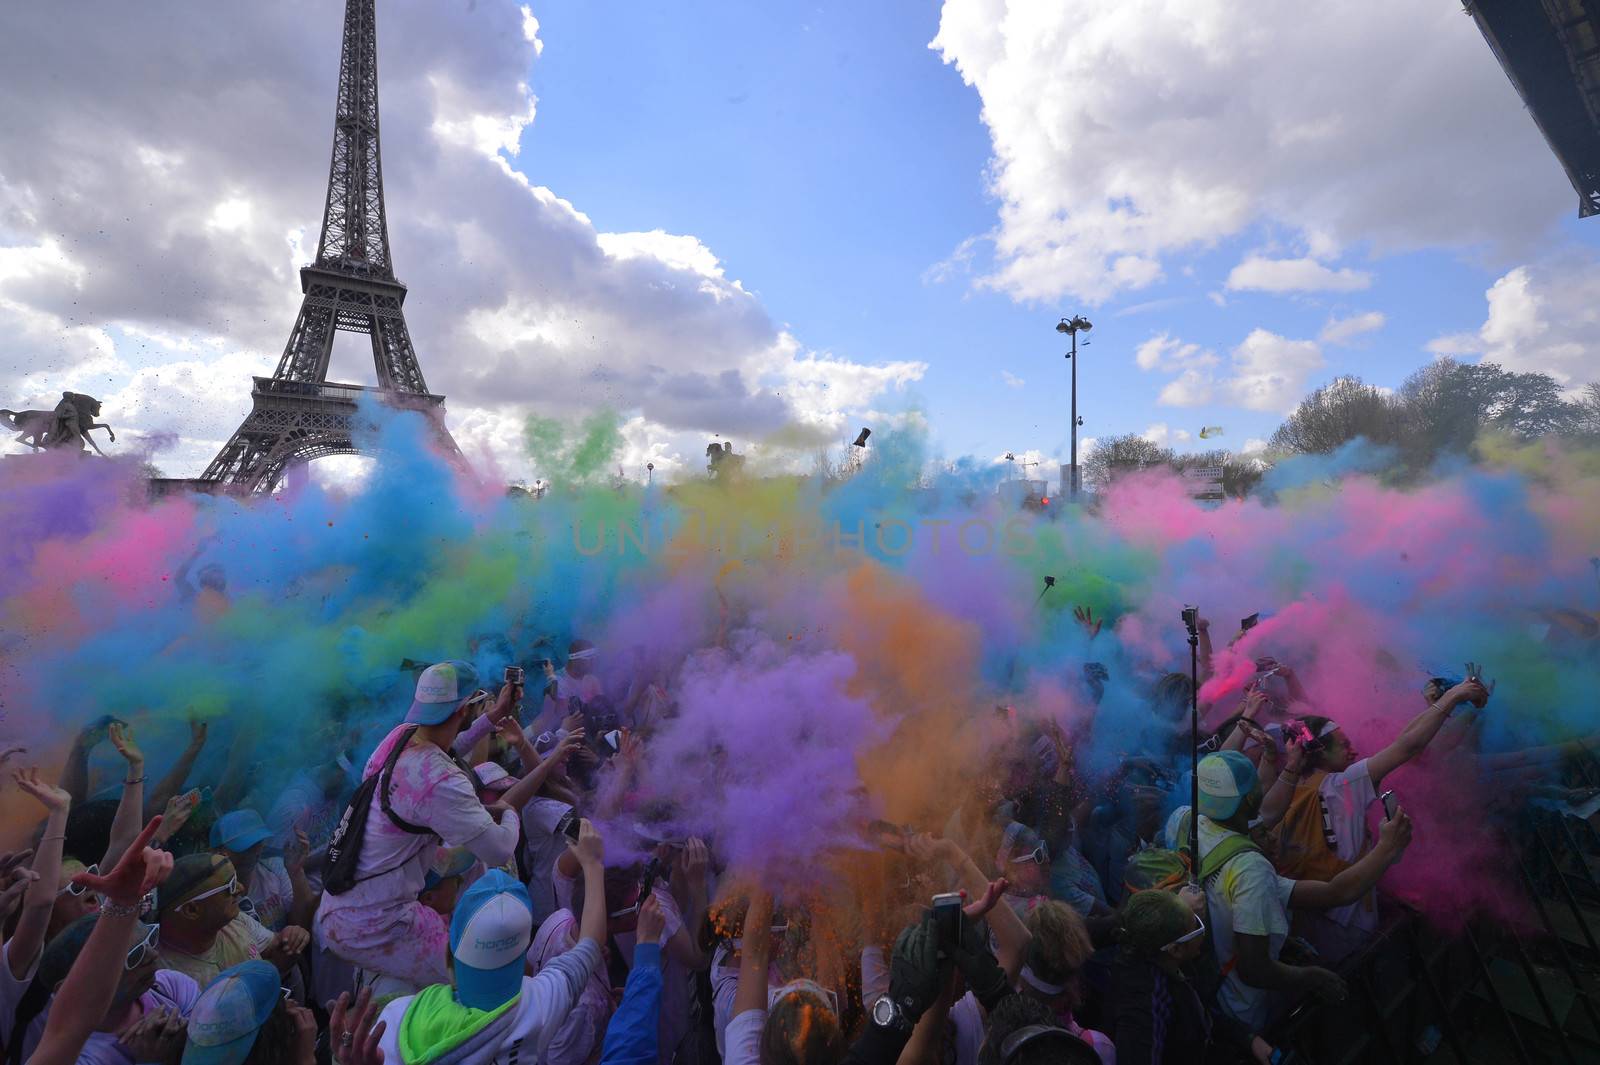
x=297, y=414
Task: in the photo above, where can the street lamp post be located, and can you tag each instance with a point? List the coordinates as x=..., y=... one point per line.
x=1072, y=326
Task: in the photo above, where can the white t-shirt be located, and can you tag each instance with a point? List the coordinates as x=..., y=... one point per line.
x=12, y=990
x=1345, y=798
x=272, y=892
x=542, y=848
x=1250, y=898
x=744, y=1038
x=431, y=791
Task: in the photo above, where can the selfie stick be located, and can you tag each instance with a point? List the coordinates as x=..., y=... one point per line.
x=1190, y=616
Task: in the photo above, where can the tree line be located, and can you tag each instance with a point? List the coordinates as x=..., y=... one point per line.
x=1439, y=410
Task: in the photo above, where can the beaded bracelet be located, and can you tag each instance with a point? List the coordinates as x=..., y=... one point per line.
x=140, y=780
x=108, y=908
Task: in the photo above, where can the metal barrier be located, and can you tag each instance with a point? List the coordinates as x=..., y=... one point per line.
x=1551, y=1014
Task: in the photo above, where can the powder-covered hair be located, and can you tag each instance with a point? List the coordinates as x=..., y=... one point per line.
x=1152, y=919
x=802, y=1030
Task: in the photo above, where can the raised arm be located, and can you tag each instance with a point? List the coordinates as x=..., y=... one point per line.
x=1416, y=736
x=755, y=954
x=91, y=984
x=28, y=940
x=1276, y=802
x=1362, y=876
x=172, y=783
x=536, y=771
x=1011, y=936
x=130, y=810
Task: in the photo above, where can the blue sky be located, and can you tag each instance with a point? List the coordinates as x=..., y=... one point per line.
x=831, y=160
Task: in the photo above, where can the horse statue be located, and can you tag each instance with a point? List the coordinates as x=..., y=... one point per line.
x=66, y=426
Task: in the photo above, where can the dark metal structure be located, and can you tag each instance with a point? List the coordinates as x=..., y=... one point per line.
x=297, y=414
x=1550, y=49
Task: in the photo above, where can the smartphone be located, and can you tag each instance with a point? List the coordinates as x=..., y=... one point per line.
x=569, y=825
x=1246, y=624
x=614, y=739
x=647, y=880
x=947, y=918
x=1390, y=804
x=514, y=675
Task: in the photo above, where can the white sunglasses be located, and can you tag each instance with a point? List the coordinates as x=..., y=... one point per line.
x=775, y=994
x=1189, y=937
x=78, y=889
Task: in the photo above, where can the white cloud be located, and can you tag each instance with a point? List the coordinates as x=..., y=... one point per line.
x=1127, y=133
x=1162, y=352
x=1011, y=379
x=1253, y=446
x=142, y=217
x=1543, y=318
x=1259, y=274
x=1270, y=371
x=1344, y=330
x=1163, y=435
x=1265, y=371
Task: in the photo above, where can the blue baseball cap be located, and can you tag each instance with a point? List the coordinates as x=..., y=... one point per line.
x=490, y=931
x=440, y=689
x=228, y=1016
x=239, y=831
x=1225, y=779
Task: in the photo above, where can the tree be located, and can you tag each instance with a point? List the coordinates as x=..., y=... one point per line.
x=1116, y=455
x=1334, y=415
x=1444, y=405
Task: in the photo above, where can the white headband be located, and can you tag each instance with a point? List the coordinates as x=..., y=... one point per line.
x=1033, y=981
x=587, y=652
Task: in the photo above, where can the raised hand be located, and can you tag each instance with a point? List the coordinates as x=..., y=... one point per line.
x=14, y=884
x=1086, y=618
x=696, y=859
x=52, y=798
x=305, y=1031
x=158, y=1036
x=355, y=1030
x=572, y=722
x=179, y=808
x=651, y=920
x=139, y=871
x=978, y=909
x=197, y=733
x=591, y=847
x=122, y=740
x=295, y=854
x=504, y=704
x=1395, y=833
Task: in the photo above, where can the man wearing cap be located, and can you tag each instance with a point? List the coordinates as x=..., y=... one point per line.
x=488, y=1006
x=429, y=797
x=203, y=930
x=1248, y=902
x=276, y=887
x=244, y=1007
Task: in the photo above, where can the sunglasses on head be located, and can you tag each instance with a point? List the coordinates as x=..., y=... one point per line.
x=777, y=994
x=78, y=889
x=1039, y=854
x=141, y=951
x=1189, y=937
x=231, y=887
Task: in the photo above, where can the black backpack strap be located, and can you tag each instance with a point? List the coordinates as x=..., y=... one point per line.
x=385, y=777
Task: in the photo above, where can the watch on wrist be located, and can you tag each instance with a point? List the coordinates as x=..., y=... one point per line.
x=886, y=1014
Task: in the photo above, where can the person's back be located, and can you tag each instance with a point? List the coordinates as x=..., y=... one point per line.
x=379, y=924
x=490, y=1011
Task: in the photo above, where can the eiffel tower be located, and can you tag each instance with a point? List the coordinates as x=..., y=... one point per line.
x=298, y=414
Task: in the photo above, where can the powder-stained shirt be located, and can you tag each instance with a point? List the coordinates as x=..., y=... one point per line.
x=1344, y=798
x=429, y=790
x=240, y=940
x=542, y=846
x=272, y=893
x=1247, y=897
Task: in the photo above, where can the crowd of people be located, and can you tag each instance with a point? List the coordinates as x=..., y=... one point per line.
x=451, y=898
